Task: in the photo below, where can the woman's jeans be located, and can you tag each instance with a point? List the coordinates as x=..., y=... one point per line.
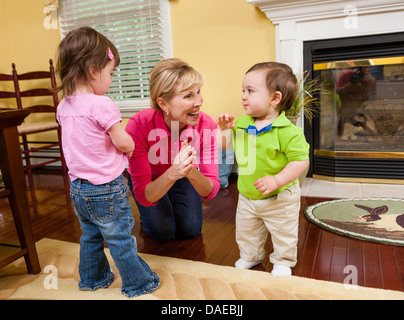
x=105, y=213
x=178, y=214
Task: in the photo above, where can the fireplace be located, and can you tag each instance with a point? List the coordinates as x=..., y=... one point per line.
x=359, y=131
x=362, y=140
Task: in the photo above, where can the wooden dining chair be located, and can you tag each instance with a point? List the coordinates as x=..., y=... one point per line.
x=37, y=153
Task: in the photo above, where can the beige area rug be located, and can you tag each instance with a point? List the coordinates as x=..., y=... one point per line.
x=180, y=279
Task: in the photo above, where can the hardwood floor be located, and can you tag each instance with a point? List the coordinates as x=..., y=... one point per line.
x=321, y=254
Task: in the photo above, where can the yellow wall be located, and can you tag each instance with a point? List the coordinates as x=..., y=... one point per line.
x=220, y=38
x=6, y=51
x=27, y=42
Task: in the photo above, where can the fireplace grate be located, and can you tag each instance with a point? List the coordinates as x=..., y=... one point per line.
x=359, y=168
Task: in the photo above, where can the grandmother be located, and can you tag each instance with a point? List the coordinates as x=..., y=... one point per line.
x=174, y=164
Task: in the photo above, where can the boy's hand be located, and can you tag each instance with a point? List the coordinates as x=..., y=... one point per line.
x=266, y=185
x=225, y=121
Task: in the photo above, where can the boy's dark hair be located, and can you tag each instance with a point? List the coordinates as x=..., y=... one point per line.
x=80, y=50
x=279, y=77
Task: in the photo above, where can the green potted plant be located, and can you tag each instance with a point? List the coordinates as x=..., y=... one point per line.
x=307, y=99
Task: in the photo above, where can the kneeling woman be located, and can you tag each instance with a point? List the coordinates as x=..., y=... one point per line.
x=174, y=165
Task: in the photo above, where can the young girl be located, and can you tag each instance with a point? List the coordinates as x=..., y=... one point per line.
x=277, y=154
x=96, y=149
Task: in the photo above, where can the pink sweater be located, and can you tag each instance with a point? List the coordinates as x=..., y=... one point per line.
x=156, y=148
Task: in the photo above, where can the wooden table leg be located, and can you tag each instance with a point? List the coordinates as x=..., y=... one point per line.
x=13, y=176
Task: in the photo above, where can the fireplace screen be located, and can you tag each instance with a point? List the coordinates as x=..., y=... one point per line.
x=363, y=109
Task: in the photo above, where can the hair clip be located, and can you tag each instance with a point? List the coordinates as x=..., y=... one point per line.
x=110, y=54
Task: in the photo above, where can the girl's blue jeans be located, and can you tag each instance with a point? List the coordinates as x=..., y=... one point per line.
x=178, y=214
x=105, y=213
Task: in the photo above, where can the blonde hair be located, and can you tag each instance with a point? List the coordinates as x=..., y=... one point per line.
x=165, y=77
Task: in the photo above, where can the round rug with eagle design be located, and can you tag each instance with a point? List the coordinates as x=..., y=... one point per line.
x=373, y=219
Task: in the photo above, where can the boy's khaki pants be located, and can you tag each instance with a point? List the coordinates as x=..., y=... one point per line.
x=280, y=216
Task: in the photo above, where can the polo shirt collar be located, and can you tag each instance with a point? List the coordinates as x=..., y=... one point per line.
x=247, y=121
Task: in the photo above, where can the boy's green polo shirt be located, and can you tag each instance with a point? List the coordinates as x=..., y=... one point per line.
x=267, y=153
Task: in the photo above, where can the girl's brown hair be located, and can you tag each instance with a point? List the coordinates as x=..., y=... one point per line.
x=165, y=77
x=279, y=77
x=80, y=50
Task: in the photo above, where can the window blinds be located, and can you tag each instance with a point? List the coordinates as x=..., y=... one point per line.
x=136, y=29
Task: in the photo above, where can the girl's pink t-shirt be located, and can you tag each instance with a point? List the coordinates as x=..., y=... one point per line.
x=88, y=149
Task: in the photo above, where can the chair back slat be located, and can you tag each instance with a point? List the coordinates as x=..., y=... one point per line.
x=36, y=93
x=7, y=94
x=6, y=77
x=41, y=108
x=39, y=91
x=34, y=75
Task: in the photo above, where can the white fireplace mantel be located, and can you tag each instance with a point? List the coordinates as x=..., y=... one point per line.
x=297, y=21
x=304, y=10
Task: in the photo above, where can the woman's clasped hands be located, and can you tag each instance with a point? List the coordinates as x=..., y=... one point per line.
x=183, y=162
